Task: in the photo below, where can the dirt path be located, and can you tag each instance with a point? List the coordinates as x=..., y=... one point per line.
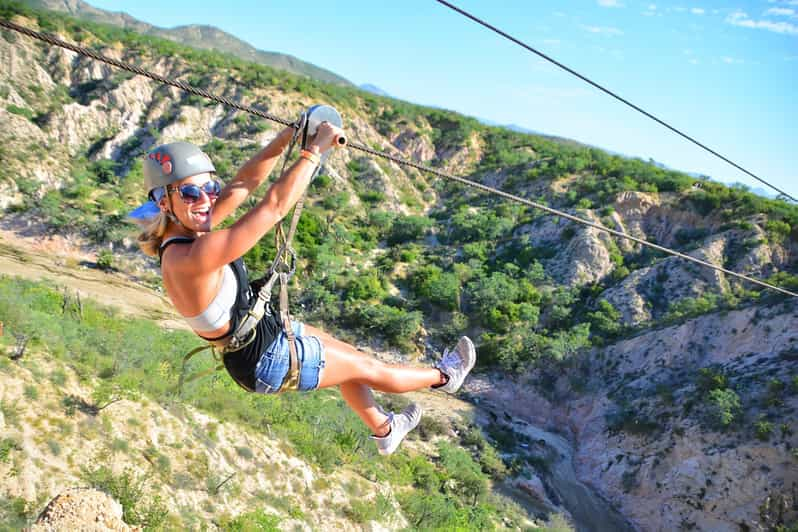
x=52, y=259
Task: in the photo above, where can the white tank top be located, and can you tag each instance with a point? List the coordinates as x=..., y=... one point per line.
x=218, y=311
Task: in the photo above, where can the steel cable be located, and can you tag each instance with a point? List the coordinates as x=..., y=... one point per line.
x=365, y=149
x=611, y=93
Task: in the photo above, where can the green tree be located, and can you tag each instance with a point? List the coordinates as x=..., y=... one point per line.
x=408, y=228
x=606, y=321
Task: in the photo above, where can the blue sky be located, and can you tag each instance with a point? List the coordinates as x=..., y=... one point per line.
x=725, y=73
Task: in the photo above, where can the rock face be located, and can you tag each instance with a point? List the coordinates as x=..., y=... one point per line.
x=84, y=510
x=665, y=469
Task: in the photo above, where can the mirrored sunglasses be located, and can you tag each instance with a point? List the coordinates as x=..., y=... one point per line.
x=191, y=193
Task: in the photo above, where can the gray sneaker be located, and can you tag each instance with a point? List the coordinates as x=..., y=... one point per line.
x=457, y=363
x=401, y=424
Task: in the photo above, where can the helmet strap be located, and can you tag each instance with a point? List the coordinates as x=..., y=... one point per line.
x=170, y=213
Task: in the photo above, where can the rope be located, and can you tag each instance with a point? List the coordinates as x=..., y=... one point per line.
x=365, y=149
x=611, y=93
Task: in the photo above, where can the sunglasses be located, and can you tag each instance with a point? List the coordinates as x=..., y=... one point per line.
x=191, y=193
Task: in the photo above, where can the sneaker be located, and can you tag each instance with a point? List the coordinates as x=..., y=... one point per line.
x=401, y=424
x=457, y=363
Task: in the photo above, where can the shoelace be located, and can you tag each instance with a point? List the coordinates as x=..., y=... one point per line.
x=450, y=358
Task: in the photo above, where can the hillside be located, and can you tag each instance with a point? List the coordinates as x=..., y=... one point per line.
x=196, y=36
x=615, y=386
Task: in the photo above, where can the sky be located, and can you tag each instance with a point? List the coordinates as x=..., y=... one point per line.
x=725, y=73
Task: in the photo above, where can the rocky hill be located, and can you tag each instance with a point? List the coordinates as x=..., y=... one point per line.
x=619, y=387
x=197, y=36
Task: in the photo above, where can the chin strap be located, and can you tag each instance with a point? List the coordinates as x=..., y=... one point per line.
x=170, y=213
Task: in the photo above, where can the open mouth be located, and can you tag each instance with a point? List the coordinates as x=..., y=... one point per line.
x=201, y=216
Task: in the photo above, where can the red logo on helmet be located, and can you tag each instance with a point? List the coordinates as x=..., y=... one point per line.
x=166, y=164
x=164, y=160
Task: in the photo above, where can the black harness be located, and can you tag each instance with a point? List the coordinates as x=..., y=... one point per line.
x=244, y=301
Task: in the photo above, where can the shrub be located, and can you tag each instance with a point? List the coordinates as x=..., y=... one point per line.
x=257, y=520
x=606, y=321
x=365, y=286
x=21, y=111
x=105, y=260
x=763, y=428
x=689, y=307
x=711, y=379
x=6, y=446
x=438, y=287
x=407, y=229
x=128, y=490
x=398, y=326
x=723, y=408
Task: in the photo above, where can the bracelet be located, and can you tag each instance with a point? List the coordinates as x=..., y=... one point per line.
x=310, y=156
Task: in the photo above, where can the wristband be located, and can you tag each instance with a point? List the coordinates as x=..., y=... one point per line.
x=310, y=156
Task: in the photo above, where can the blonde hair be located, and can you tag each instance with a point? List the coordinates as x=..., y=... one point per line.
x=151, y=238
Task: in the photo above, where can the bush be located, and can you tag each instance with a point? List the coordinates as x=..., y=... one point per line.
x=606, y=321
x=710, y=379
x=128, y=490
x=105, y=260
x=690, y=307
x=407, y=229
x=763, y=428
x=257, y=520
x=438, y=287
x=21, y=111
x=723, y=408
x=398, y=326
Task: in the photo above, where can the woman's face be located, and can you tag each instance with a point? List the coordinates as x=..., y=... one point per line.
x=192, y=201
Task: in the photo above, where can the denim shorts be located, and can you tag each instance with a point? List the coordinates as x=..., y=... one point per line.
x=275, y=361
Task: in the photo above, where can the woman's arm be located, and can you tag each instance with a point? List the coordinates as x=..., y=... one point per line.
x=217, y=248
x=249, y=177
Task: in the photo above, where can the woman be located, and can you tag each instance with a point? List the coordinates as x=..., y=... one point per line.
x=205, y=279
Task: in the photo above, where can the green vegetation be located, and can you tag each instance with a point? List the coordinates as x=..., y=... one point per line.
x=319, y=426
x=128, y=490
x=485, y=280
x=723, y=408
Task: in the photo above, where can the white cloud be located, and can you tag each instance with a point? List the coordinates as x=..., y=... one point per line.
x=781, y=11
x=603, y=30
x=552, y=42
x=693, y=61
x=609, y=3
x=697, y=11
x=652, y=7
x=740, y=18
x=731, y=60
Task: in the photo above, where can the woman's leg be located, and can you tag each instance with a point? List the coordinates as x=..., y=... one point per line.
x=361, y=401
x=345, y=364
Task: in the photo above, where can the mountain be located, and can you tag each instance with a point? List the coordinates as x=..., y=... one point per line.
x=368, y=87
x=617, y=387
x=196, y=36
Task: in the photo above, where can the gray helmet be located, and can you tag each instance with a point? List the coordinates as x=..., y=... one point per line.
x=170, y=163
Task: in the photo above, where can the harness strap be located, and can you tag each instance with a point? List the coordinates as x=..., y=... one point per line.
x=282, y=268
x=291, y=381
x=197, y=375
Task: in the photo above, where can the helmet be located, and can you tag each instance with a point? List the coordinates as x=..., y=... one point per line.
x=170, y=163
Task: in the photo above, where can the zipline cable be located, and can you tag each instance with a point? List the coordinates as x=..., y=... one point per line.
x=55, y=41
x=365, y=149
x=611, y=93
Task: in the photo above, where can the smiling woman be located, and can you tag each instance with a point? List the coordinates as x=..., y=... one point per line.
x=205, y=278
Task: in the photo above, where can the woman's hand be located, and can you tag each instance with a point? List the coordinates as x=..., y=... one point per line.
x=326, y=136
